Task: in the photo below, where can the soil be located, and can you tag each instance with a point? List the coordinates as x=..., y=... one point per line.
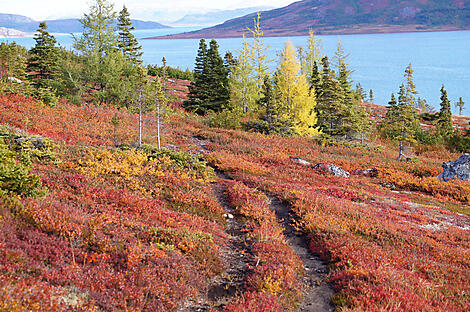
x=236, y=257
x=317, y=293
x=225, y=287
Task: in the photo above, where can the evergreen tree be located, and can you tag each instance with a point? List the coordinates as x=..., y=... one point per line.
x=219, y=89
x=198, y=89
x=294, y=93
x=112, y=76
x=210, y=90
x=42, y=65
x=329, y=106
x=229, y=62
x=401, y=122
x=98, y=36
x=360, y=92
x=243, y=80
x=315, y=80
x=13, y=68
x=410, y=87
x=127, y=42
x=444, y=121
x=354, y=117
x=460, y=105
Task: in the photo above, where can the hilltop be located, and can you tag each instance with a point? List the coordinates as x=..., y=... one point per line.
x=27, y=25
x=347, y=17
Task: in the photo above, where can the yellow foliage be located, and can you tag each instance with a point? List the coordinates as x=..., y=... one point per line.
x=294, y=91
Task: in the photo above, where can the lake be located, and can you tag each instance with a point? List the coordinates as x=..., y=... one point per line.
x=379, y=60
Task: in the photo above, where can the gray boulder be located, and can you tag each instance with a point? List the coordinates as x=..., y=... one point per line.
x=332, y=169
x=459, y=169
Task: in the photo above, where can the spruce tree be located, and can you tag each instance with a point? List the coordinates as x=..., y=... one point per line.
x=401, y=122
x=354, y=117
x=42, y=66
x=444, y=121
x=315, y=80
x=410, y=86
x=371, y=96
x=198, y=89
x=329, y=106
x=360, y=92
x=219, y=89
x=127, y=42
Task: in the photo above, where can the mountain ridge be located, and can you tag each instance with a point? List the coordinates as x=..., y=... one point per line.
x=346, y=17
x=216, y=17
x=27, y=25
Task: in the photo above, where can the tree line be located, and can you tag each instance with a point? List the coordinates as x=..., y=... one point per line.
x=310, y=94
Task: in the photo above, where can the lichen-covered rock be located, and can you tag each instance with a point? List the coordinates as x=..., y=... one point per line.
x=301, y=161
x=459, y=169
x=332, y=169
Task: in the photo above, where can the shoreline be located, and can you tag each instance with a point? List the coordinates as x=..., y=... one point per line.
x=324, y=31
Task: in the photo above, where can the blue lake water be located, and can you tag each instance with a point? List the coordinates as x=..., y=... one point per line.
x=379, y=60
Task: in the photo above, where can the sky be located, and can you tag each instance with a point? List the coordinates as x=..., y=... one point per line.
x=154, y=10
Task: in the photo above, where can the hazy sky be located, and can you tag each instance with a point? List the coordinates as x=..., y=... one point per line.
x=158, y=10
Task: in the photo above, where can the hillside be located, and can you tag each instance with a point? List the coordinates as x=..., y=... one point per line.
x=216, y=17
x=28, y=25
x=347, y=17
x=89, y=222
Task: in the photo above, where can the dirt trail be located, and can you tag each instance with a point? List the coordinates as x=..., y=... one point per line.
x=318, y=293
x=236, y=257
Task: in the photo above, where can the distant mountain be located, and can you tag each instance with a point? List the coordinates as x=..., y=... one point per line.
x=347, y=17
x=216, y=17
x=28, y=25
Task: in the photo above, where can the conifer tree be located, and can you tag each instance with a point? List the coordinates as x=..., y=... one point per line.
x=243, y=80
x=360, y=92
x=259, y=57
x=198, y=89
x=354, y=117
x=44, y=58
x=311, y=55
x=98, y=36
x=444, y=121
x=410, y=86
x=460, y=105
x=127, y=42
x=229, y=62
x=210, y=90
x=329, y=106
x=267, y=102
x=219, y=89
x=401, y=121
x=315, y=80
x=294, y=93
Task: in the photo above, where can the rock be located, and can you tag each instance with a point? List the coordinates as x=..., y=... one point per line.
x=372, y=172
x=301, y=161
x=332, y=169
x=459, y=169
x=228, y=216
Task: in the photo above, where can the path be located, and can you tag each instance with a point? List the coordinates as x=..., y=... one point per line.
x=318, y=293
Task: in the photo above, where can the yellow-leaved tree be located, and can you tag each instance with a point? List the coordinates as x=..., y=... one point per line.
x=293, y=90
